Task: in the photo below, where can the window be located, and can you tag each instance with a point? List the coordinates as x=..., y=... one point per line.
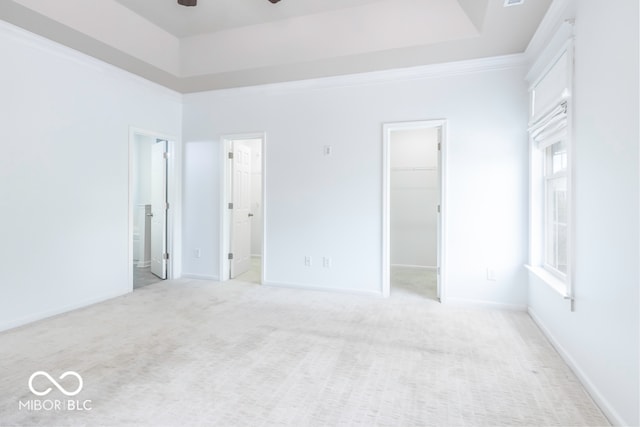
x=550, y=169
x=555, y=208
x=550, y=174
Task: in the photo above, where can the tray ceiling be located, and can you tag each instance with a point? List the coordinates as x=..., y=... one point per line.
x=231, y=43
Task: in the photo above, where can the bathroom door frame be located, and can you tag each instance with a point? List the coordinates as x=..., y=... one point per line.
x=174, y=185
x=387, y=129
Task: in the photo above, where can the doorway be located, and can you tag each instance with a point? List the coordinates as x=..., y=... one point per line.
x=149, y=208
x=243, y=218
x=413, y=209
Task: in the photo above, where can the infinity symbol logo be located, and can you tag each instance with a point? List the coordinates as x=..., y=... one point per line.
x=55, y=383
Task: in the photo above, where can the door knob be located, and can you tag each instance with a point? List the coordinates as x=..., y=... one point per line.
x=250, y=214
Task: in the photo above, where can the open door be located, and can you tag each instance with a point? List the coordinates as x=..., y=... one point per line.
x=413, y=190
x=159, y=209
x=241, y=212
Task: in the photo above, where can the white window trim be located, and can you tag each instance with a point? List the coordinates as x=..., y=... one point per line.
x=546, y=178
x=558, y=285
x=562, y=284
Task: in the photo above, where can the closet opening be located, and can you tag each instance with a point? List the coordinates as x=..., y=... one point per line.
x=413, y=209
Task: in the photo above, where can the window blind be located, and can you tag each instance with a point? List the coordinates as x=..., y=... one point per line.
x=551, y=127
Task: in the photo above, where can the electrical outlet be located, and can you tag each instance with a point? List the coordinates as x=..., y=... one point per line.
x=307, y=261
x=491, y=274
x=326, y=262
x=197, y=253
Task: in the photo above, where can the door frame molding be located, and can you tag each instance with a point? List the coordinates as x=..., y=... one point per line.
x=387, y=128
x=225, y=187
x=173, y=196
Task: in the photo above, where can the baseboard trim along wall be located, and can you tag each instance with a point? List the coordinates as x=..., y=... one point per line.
x=322, y=289
x=57, y=311
x=484, y=304
x=593, y=391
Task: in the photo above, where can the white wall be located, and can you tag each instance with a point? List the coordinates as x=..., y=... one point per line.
x=330, y=206
x=600, y=339
x=414, y=197
x=64, y=174
x=200, y=195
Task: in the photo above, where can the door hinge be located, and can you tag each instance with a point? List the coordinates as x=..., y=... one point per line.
x=165, y=155
x=439, y=146
x=230, y=255
x=230, y=205
x=166, y=206
x=438, y=208
x=165, y=256
x=230, y=155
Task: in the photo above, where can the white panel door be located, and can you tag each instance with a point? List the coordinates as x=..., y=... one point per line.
x=159, y=209
x=241, y=212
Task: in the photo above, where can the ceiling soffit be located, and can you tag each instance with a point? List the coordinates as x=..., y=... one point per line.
x=476, y=10
x=379, y=26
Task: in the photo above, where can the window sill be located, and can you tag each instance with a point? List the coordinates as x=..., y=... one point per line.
x=552, y=281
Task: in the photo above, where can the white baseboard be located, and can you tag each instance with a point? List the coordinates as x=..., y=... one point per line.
x=322, y=289
x=58, y=310
x=604, y=405
x=143, y=264
x=256, y=256
x=200, y=277
x=425, y=267
x=463, y=302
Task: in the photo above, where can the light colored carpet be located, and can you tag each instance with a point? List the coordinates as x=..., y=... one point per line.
x=190, y=353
